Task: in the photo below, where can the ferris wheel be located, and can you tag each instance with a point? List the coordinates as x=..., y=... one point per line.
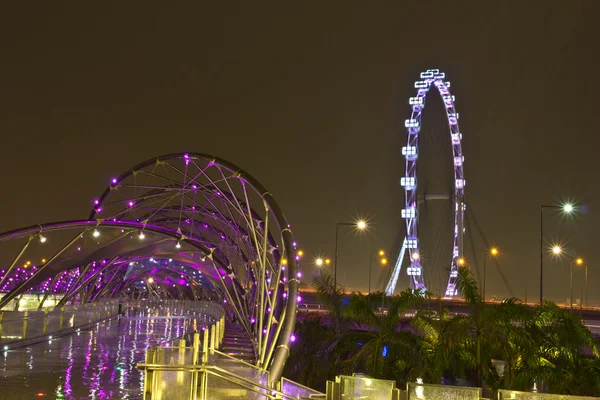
x=417, y=197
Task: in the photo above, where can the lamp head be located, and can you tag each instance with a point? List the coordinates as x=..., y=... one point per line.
x=556, y=250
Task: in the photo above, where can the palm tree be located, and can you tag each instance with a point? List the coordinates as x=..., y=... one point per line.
x=380, y=347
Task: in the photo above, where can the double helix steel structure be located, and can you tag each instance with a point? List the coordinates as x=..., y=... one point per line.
x=177, y=226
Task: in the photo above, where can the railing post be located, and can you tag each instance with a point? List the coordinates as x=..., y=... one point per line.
x=217, y=334
x=212, y=338
x=61, y=318
x=159, y=359
x=45, y=329
x=222, y=329
x=205, y=347
x=181, y=361
x=195, y=345
x=149, y=375
x=25, y=313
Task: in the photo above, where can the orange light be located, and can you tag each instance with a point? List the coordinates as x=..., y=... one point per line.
x=284, y=261
x=43, y=260
x=300, y=253
x=381, y=253
x=494, y=251
x=327, y=261
x=383, y=261
x=579, y=261
x=461, y=261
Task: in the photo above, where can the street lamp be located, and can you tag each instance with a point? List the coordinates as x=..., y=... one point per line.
x=319, y=262
x=581, y=262
x=382, y=261
x=493, y=252
x=360, y=225
x=557, y=251
x=566, y=208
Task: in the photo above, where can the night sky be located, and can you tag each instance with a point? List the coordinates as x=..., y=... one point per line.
x=311, y=99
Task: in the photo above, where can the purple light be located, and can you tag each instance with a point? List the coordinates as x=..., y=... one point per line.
x=252, y=320
x=114, y=181
x=299, y=298
x=293, y=338
x=96, y=202
x=299, y=274
x=297, y=258
x=293, y=244
x=131, y=204
x=285, y=295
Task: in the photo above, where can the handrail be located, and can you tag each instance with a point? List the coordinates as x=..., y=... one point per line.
x=217, y=371
x=300, y=385
x=240, y=361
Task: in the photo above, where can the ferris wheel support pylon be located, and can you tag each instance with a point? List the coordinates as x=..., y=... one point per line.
x=410, y=213
x=391, y=286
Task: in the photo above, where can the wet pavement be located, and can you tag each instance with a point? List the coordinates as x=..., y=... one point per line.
x=98, y=363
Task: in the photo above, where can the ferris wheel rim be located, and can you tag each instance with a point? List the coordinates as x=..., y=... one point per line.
x=431, y=78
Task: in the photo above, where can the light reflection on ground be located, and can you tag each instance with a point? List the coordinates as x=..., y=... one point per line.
x=96, y=364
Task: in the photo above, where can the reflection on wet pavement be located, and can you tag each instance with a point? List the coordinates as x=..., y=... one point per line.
x=92, y=364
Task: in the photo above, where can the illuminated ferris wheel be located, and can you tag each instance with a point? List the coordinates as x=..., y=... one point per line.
x=418, y=193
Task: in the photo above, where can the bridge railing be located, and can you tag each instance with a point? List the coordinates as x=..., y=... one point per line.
x=210, y=309
x=195, y=369
x=20, y=327
x=516, y=395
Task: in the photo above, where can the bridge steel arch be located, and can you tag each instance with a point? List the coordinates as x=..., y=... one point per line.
x=197, y=210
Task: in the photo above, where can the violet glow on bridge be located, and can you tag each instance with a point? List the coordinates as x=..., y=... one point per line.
x=179, y=226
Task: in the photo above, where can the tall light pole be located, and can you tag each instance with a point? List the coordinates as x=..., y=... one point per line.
x=578, y=261
x=566, y=209
x=382, y=261
x=360, y=225
x=493, y=252
x=557, y=250
x=586, y=285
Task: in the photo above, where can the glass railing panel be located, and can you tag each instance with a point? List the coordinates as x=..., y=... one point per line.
x=417, y=391
x=373, y=389
x=504, y=394
x=296, y=390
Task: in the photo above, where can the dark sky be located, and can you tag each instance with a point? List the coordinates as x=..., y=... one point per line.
x=311, y=99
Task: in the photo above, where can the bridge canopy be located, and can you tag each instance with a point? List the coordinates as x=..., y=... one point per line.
x=178, y=226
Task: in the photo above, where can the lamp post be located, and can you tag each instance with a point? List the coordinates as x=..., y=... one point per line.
x=360, y=225
x=492, y=252
x=586, y=285
x=566, y=209
x=578, y=261
x=382, y=260
x=557, y=250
